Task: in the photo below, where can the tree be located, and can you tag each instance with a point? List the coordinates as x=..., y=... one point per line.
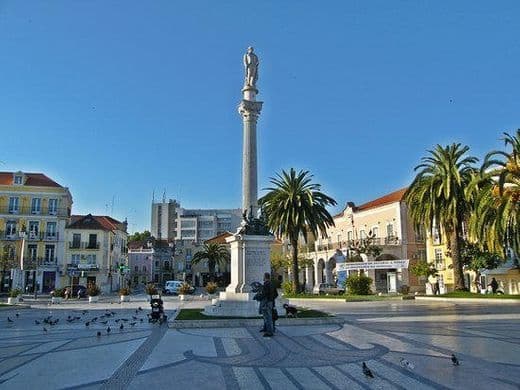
x=146, y=235
x=436, y=197
x=295, y=207
x=215, y=254
x=476, y=259
x=496, y=220
x=365, y=246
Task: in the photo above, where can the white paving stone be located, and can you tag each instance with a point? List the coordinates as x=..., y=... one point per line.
x=277, y=379
x=307, y=379
x=240, y=333
x=397, y=377
x=230, y=346
x=247, y=378
x=338, y=379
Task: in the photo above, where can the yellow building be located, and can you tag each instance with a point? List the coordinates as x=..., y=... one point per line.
x=95, y=248
x=437, y=253
x=34, y=211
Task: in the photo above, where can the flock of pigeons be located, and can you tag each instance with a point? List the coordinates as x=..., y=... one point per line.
x=406, y=364
x=103, y=319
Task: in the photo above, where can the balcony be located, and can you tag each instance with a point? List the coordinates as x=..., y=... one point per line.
x=83, y=245
x=33, y=262
x=28, y=210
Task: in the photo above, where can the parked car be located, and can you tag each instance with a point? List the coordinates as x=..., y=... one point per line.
x=172, y=287
x=330, y=289
x=75, y=289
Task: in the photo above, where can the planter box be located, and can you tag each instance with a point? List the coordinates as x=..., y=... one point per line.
x=56, y=300
x=13, y=300
x=93, y=299
x=125, y=298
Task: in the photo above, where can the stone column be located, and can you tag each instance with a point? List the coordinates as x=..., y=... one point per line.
x=249, y=109
x=309, y=280
x=316, y=275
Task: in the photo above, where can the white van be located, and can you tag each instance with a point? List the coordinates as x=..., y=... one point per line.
x=172, y=286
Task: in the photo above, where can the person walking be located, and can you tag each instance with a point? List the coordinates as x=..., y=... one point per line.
x=494, y=285
x=266, y=305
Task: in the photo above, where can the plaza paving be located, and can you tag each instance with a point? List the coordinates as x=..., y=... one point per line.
x=485, y=337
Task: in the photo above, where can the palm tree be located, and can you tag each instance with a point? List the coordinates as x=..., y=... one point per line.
x=295, y=206
x=496, y=221
x=436, y=197
x=215, y=254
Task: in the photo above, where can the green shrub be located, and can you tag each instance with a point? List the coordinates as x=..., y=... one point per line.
x=93, y=290
x=59, y=293
x=211, y=287
x=287, y=288
x=358, y=285
x=13, y=293
x=151, y=289
x=184, y=289
x=404, y=289
x=124, y=291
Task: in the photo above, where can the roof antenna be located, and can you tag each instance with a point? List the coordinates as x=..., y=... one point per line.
x=164, y=196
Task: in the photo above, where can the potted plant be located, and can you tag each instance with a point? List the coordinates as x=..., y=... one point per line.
x=184, y=289
x=211, y=288
x=125, y=294
x=14, y=296
x=93, y=292
x=150, y=289
x=57, y=295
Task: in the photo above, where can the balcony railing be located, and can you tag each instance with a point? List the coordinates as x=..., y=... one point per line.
x=83, y=245
x=33, y=262
x=30, y=236
x=28, y=210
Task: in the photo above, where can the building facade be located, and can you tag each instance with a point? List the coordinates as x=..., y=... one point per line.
x=171, y=222
x=386, y=220
x=150, y=261
x=96, y=247
x=34, y=211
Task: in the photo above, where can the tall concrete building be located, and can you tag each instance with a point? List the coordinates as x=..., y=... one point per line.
x=171, y=222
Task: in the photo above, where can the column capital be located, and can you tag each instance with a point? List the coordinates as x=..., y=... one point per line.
x=249, y=109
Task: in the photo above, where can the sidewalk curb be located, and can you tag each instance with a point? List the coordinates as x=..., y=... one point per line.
x=469, y=300
x=245, y=322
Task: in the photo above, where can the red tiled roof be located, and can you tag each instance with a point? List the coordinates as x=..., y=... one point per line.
x=32, y=179
x=219, y=238
x=95, y=222
x=395, y=196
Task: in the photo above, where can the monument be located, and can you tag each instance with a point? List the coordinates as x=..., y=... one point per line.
x=251, y=244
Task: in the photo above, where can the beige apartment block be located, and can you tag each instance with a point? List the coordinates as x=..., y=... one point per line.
x=388, y=220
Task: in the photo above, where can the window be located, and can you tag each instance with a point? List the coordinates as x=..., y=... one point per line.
x=53, y=206
x=339, y=237
x=51, y=230
x=375, y=231
x=349, y=236
x=157, y=263
x=91, y=260
x=36, y=205
x=166, y=265
x=32, y=251
x=34, y=229
x=439, y=259
x=144, y=268
x=10, y=229
x=14, y=204
x=156, y=278
x=9, y=252
x=92, y=241
x=437, y=239
x=75, y=259
x=18, y=180
x=362, y=234
x=76, y=240
x=136, y=268
x=389, y=230
x=49, y=253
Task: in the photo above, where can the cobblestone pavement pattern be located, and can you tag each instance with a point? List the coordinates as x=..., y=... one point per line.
x=485, y=337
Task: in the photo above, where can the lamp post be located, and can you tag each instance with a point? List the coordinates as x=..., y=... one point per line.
x=20, y=282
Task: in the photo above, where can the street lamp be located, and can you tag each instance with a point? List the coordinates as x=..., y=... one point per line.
x=21, y=278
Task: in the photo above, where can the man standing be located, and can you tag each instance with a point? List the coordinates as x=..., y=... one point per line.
x=494, y=285
x=266, y=305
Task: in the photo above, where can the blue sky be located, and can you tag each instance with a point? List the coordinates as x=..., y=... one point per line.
x=116, y=99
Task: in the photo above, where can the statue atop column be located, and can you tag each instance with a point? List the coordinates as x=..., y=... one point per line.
x=251, y=67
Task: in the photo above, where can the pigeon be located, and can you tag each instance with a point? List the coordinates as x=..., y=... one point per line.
x=70, y=320
x=124, y=319
x=113, y=313
x=94, y=319
x=17, y=315
x=454, y=360
x=87, y=323
x=121, y=327
x=9, y=320
x=84, y=312
x=134, y=317
x=141, y=320
x=406, y=364
x=367, y=371
x=44, y=329
x=98, y=334
x=140, y=308
x=69, y=317
x=133, y=323
x=119, y=319
x=37, y=322
x=108, y=330
x=136, y=311
x=104, y=322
